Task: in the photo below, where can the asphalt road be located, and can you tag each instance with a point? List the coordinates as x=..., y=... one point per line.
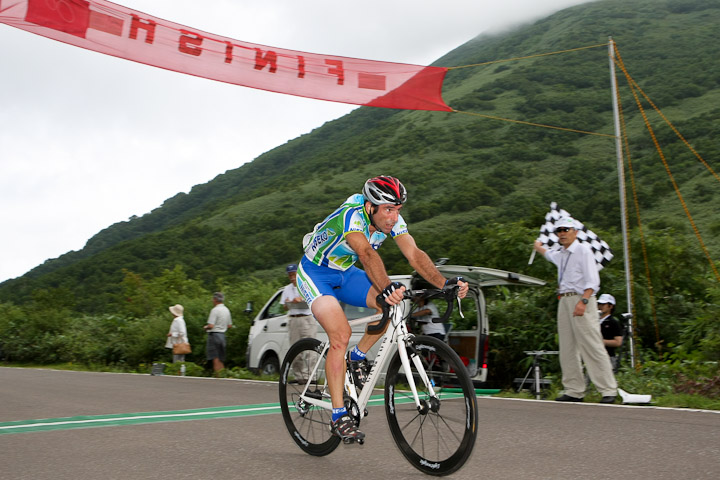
x=517, y=439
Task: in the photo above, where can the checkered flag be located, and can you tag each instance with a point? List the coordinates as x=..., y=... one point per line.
x=601, y=250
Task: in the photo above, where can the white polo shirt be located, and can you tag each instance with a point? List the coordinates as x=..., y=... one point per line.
x=577, y=269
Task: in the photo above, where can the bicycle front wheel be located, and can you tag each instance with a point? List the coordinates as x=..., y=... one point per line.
x=438, y=437
x=309, y=425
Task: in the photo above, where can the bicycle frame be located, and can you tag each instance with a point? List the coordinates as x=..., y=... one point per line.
x=395, y=336
x=435, y=440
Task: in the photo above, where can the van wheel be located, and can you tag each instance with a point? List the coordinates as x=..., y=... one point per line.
x=270, y=365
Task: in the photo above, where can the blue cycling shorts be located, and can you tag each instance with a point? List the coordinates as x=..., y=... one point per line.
x=350, y=286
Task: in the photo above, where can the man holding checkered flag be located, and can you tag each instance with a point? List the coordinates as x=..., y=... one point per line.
x=601, y=250
x=578, y=325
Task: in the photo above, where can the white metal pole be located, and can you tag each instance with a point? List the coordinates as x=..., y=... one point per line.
x=621, y=182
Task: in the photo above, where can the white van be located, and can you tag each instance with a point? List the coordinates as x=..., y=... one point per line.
x=268, y=340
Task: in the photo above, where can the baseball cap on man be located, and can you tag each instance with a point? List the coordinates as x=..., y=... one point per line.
x=291, y=268
x=565, y=222
x=606, y=298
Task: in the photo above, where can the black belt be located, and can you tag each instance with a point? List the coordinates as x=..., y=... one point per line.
x=302, y=315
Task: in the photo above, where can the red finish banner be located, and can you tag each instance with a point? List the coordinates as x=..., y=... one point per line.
x=115, y=30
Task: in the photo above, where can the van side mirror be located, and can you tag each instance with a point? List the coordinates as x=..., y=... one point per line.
x=249, y=307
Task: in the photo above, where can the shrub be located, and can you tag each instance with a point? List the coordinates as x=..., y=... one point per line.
x=708, y=387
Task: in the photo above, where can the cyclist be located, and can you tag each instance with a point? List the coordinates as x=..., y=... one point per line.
x=327, y=275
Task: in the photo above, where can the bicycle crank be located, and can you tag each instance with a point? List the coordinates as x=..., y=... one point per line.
x=352, y=407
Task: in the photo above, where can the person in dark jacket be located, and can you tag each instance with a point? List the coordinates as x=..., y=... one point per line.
x=610, y=327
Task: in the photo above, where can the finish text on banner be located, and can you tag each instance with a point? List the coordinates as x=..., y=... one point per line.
x=115, y=30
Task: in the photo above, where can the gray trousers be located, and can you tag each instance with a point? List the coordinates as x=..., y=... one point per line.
x=581, y=342
x=301, y=327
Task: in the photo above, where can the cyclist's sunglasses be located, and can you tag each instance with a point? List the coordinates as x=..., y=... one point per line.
x=562, y=229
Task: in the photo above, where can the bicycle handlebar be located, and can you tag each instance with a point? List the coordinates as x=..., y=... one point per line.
x=448, y=293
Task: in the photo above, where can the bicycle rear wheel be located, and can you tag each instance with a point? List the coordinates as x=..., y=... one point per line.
x=438, y=438
x=309, y=426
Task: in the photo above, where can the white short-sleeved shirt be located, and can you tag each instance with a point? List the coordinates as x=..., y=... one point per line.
x=426, y=323
x=290, y=292
x=219, y=317
x=577, y=269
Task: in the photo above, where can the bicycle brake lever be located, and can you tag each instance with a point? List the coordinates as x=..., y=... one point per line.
x=460, y=307
x=385, y=318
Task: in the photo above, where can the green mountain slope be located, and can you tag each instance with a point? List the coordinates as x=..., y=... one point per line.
x=462, y=171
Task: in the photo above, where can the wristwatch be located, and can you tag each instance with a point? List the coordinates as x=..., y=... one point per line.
x=584, y=300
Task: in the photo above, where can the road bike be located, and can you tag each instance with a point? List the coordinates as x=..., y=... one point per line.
x=429, y=398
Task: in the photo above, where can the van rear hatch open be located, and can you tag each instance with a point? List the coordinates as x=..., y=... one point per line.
x=469, y=337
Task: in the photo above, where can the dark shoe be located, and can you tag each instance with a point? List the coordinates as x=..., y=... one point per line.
x=608, y=399
x=568, y=398
x=359, y=371
x=345, y=428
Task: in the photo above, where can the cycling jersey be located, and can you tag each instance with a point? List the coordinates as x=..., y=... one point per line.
x=327, y=246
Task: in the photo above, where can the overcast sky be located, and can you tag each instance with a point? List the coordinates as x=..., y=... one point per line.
x=88, y=140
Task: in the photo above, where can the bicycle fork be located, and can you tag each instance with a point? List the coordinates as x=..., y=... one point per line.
x=405, y=359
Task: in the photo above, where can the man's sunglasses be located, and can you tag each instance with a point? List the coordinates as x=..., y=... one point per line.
x=562, y=229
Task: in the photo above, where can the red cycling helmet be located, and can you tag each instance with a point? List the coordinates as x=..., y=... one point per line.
x=381, y=190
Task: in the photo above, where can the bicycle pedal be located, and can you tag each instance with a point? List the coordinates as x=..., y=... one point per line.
x=348, y=440
x=365, y=412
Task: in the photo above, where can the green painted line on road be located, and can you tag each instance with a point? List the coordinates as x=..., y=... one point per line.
x=135, y=418
x=118, y=419
x=113, y=420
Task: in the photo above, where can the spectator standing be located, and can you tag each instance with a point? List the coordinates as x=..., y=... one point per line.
x=577, y=318
x=178, y=331
x=219, y=321
x=424, y=314
x=301, y=323
x=610, y=328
